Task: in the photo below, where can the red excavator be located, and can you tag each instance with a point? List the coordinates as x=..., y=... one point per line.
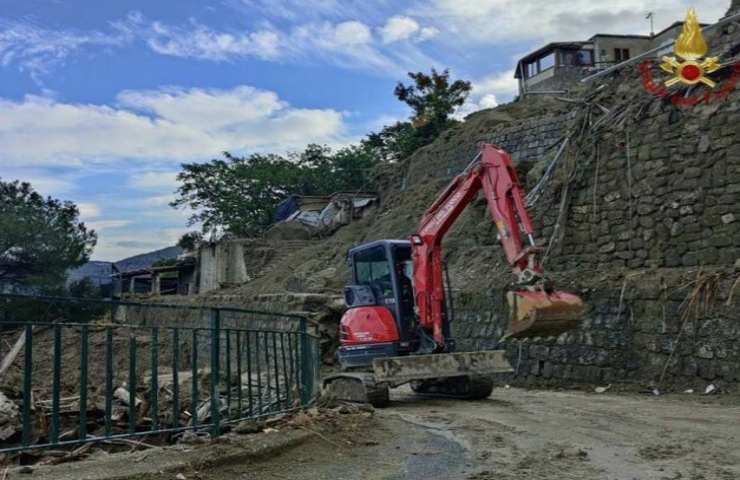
x=397, y=326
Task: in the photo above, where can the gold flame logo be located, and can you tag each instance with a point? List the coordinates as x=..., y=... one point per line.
x=691, y=47
x=690, y=44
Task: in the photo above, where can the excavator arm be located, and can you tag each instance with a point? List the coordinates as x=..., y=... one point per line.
x=535, y=309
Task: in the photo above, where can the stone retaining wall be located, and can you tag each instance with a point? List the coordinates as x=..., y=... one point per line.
x=629, y=341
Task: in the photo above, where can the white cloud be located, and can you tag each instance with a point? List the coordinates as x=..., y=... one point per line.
x=166, y=125
x=88, y=210
x=348, y=44
x=37, y=50
x=400, y=27
x=426, y=33
x=293, y=9
x=316, y=35
x=116, y=246
x=501, y=84
x=509, y=21
x=488, y=91
x=351, y=33
x=45, y=183
x=98, y=225
x=201, y=42
x=154, y=181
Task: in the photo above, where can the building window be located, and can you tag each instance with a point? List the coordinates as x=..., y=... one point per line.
x=585, y=57
x=547, y=61
x=621, y=54
x=532, y=69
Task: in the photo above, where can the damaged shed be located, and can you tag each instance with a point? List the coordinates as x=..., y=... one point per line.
x=309, y=216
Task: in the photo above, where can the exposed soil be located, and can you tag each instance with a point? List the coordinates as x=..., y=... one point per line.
x=521, y=434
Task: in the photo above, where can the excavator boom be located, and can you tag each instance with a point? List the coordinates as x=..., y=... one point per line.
x=536, y=310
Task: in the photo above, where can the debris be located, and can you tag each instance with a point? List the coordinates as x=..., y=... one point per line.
x=602, y=389
x=123, y=396
x=690, y=390
x=10, y=357
x=711, y=388
x=9, y=420
x=249, y=426
x=655, y=392
x=270, y=430
x=180, y=476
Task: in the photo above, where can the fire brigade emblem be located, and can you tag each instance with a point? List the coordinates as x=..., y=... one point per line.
x=690, y=47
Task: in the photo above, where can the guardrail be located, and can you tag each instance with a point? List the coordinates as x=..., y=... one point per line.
x=95, y=370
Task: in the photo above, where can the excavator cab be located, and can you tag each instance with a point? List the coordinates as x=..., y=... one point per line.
x=380, y=319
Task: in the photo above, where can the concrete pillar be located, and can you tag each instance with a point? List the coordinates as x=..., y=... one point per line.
x=155, y=284
x=132, y=285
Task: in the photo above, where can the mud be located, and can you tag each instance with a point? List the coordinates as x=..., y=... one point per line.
x=516, y=434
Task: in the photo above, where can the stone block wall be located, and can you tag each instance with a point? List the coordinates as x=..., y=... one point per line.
x=660, y=193
x=527, y=141
x=618, y=342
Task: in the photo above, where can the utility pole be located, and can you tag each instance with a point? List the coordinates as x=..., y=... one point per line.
x=649, y=16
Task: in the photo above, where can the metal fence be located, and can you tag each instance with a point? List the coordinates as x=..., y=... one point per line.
x=93, y=370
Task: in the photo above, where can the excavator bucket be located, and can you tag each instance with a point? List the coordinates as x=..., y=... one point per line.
x=542, y=314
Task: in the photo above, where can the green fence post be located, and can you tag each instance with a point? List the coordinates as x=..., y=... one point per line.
x=83, y=381
x=306, y=364
x=239, y=393
x=154, y=387
x=108, y=381
x=215, y=374
x=195, y=380
x=228, y=373
x=27, y=372
x=132, y=382
x=56, y=384
x=175, y=378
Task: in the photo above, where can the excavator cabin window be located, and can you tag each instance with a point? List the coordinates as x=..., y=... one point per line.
x=372, y=269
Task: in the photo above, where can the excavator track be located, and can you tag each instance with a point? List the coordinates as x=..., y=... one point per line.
x=358, y=387
x=476, y=387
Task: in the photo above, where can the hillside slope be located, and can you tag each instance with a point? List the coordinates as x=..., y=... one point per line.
x=632, y=160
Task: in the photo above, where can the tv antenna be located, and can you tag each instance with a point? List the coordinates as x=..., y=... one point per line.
x=649, y=16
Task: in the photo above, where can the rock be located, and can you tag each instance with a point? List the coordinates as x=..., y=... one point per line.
x=180, y=476
x=727, y=218
x=572, y=452
x=705, y=351
x=9, y=417
x=249, y=426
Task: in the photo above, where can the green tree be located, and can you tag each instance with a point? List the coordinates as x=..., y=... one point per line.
x=190, y=240
x=235, y=193
x=393, y=143
x=433, y=98
x=239, y=194
x=41, y=237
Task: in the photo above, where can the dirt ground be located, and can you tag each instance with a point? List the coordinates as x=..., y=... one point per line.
x=519, y=434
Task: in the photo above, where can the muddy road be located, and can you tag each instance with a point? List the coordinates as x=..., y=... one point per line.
x=522, y=434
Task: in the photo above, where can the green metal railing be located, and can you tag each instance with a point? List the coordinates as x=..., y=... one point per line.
x=135, y=369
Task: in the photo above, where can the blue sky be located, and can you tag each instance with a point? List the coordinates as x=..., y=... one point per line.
x=100, y=102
